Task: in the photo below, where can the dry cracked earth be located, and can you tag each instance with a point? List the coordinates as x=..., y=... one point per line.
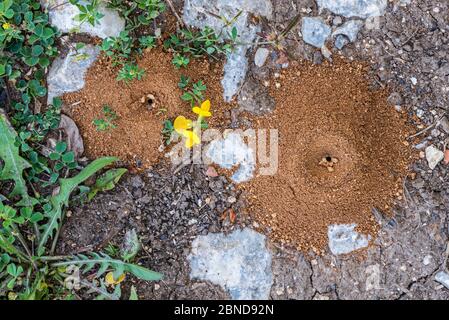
x=408, y=52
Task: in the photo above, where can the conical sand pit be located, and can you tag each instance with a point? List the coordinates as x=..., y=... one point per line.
x=342, y=153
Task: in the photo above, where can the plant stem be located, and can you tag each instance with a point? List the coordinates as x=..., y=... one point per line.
x=53, y=258
x=172, y=7
x=23, y=243
x=55, y=240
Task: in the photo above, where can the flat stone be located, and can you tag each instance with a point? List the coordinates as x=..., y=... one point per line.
x=230, y=152
x=344, y=239
x=261, y=56
x=443, y=278
x=62, y=14
x=433, y=156
x=196, y=14
x=354, y=8
x=340, y=42
x=238, y=262
x=67, y=73
x=315, y=31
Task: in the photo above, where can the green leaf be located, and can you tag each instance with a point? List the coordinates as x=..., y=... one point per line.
x=31, y=61
x=107, y=181
x=54, y=215
x=8, y=247
x=68, y=157
x=105, y=262
x=54, y=156
x=234, y=33
x=61, y=147
x=186, y=96
x=37, y=50
x=14, y=164
x=133, y=295
x=131, y=245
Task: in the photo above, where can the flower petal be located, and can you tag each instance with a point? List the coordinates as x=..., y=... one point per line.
x=180, y=124
x=110, y=278
x=206, y=113
x=191, y=138
x=196, y=110
x=205, y=106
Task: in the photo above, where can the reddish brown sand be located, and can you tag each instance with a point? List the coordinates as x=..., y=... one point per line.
x=341, y=153
x=342, y=148
x=137, y=137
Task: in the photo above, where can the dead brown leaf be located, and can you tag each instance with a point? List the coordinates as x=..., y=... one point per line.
x=211, y=172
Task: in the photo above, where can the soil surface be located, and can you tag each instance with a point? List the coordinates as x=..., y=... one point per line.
x=411, y=42
x=167, y=211
x=342, y=152
x=141, y=106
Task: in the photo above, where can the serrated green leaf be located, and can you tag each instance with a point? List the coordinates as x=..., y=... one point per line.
x=57, y=202
x=14, y=164
x=133, y=295
x=107, y=181
x=131, y=245
x=106, y=262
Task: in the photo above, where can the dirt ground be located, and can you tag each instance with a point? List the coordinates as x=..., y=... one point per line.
x=342, y=150
x=168, y=210
x=138, y=105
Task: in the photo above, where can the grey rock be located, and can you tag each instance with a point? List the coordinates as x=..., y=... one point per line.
x=443, y=278
x=348, y=30
x=238, y=262
x=444, y=124
x=235, y=70
x=354, y=8
x=315, y=31
x=67, y=73
x=341, y=41
x=261, y=56
x=337, y=21
x=317, y=57
x=433, y=156
x=233, y=151
x=344, y=239
x=196, y=14
x=254, y=98
x=62, y=14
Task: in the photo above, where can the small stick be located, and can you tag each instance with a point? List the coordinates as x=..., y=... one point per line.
x=172, y=7
x=425, y=129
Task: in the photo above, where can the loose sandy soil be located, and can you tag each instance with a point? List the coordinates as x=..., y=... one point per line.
x=137, y=137
x=342, y=152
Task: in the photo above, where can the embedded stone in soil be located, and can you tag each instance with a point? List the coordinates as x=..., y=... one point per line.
x=141, y=106
x=341, y=154
x=238, y=262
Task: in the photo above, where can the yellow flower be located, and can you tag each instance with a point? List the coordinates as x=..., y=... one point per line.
x=181, y=124
x=191, y=138
x=204, y=110
x=110, y=278
x=6, y=26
